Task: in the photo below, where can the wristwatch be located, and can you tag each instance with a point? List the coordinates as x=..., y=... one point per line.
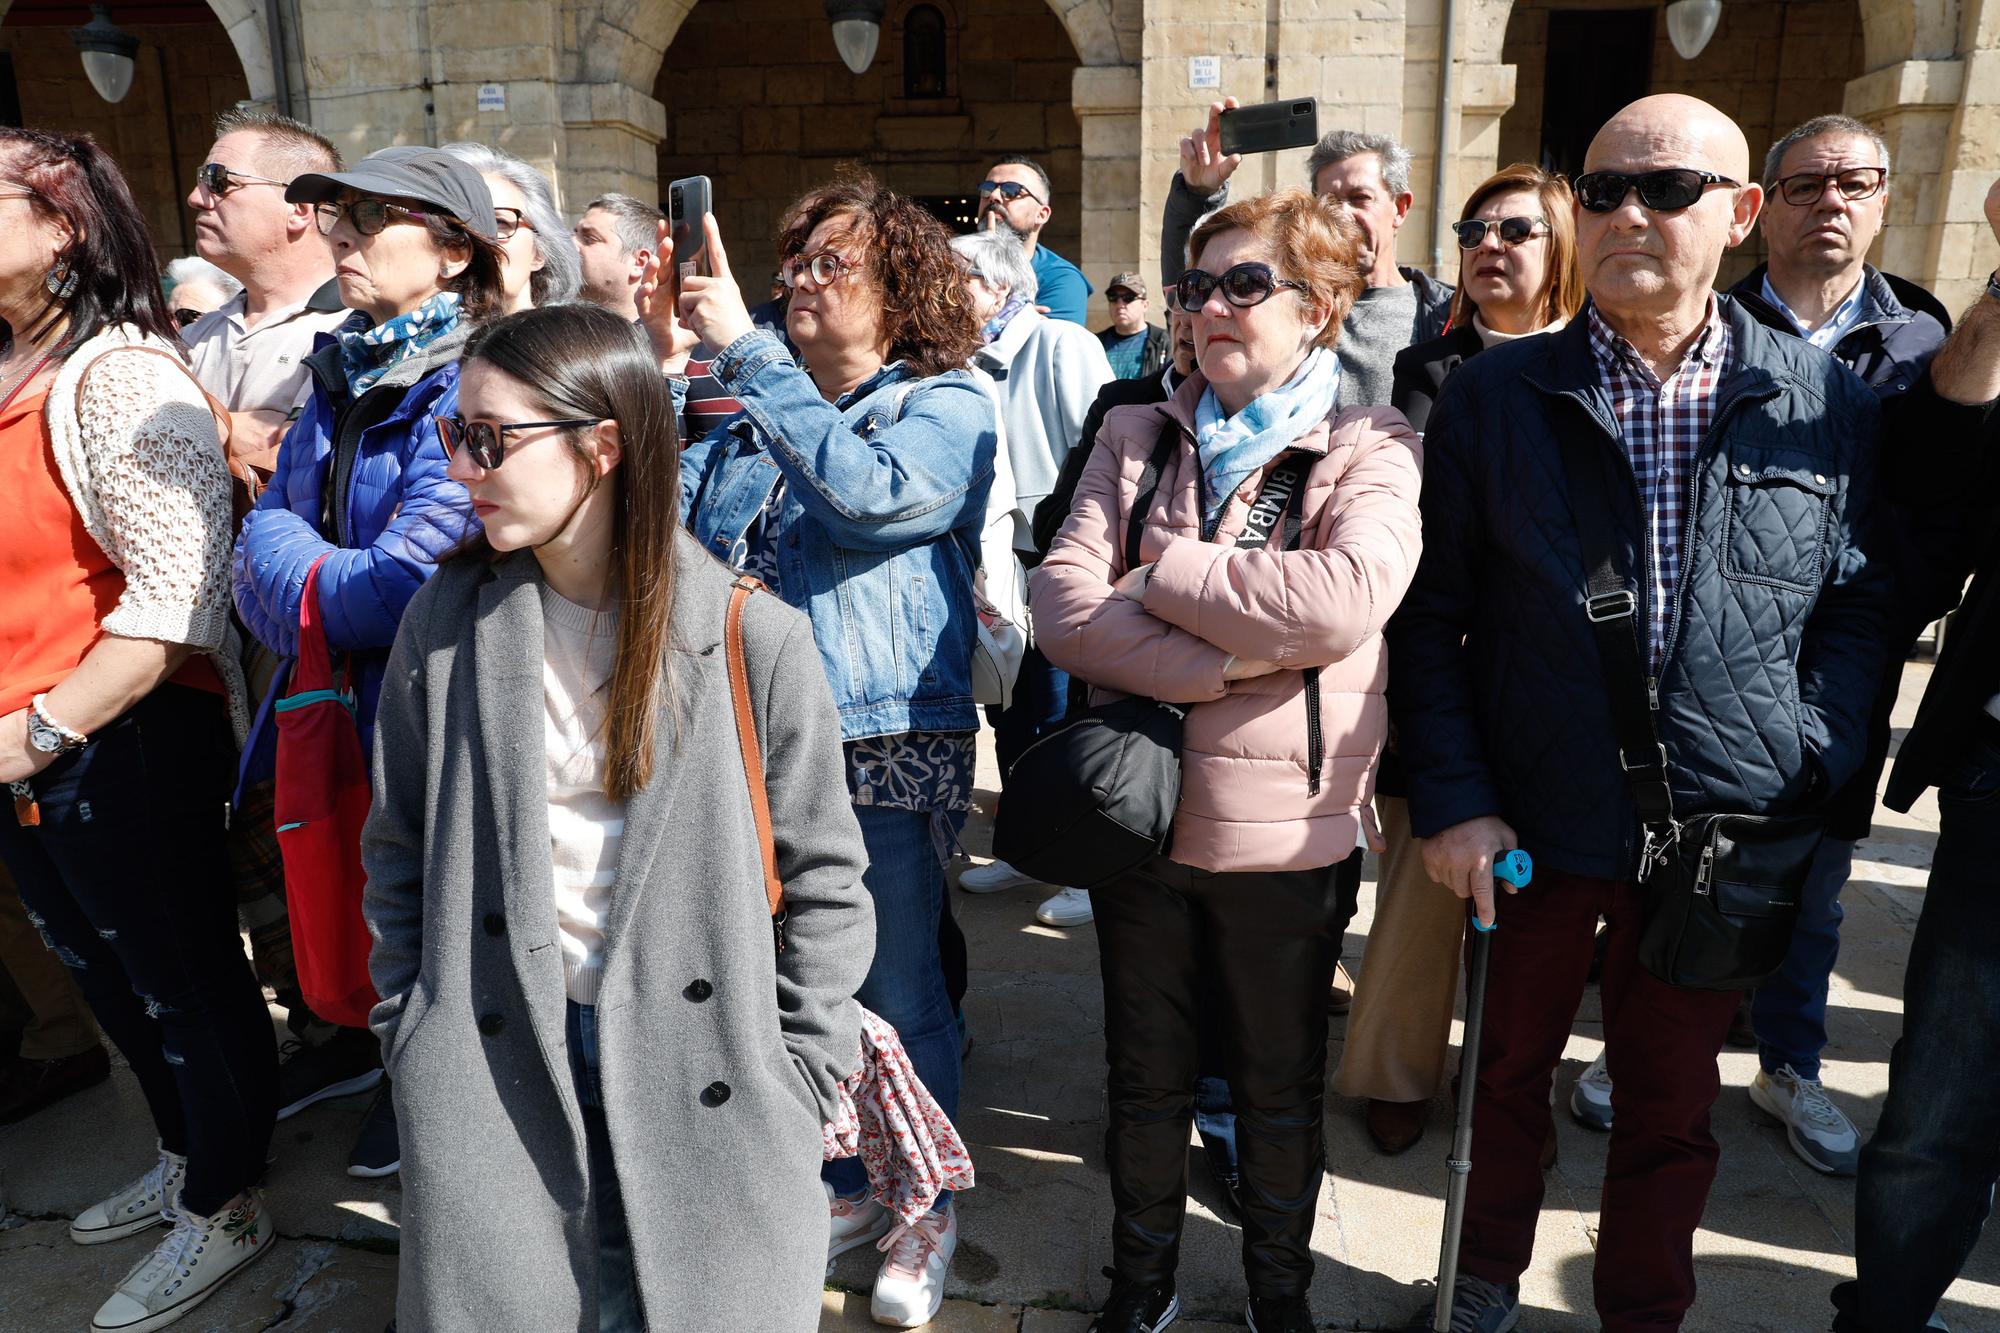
x=1993, y=284
x=48, y=735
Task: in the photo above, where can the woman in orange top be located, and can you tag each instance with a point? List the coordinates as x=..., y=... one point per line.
x=117, y=697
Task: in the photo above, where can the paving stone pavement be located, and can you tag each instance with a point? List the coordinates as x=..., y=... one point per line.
x=1777, y=1235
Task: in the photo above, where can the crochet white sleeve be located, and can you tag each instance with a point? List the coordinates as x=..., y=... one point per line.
x=160, y=493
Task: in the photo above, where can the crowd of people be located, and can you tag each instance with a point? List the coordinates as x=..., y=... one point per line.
x=411, y=562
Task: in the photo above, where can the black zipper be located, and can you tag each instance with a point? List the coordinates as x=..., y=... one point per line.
x=1315, y=737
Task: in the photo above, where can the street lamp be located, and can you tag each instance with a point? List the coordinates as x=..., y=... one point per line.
x=107, y=52
x=857, y=28
x=1690, y=23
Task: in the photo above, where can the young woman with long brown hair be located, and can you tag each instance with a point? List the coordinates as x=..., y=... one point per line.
x=611, y=1086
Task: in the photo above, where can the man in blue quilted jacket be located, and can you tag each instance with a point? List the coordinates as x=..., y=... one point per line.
x=1743, y=459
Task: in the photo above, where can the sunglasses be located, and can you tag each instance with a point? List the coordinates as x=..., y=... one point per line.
x=1854, y=183
x=1513, y=231
x=184, y=316
x=220, y=180
x=507, y=221
x=486, y=440
x=1243, y=286
x=1008, y=191
x=1119, y=296
x=826, y=268
x=369, y=216
x=1663, y=191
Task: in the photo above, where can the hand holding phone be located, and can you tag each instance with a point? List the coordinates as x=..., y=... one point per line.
x=1269, y=126
x=711, y=305
x=1204, y=166
x=689, y=199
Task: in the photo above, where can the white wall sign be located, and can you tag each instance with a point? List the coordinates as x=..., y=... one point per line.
x=1204, y=71
x=492, y=97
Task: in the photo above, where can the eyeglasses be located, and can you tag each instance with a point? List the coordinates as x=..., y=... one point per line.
x=507, y=221
x=1008, y=191
x=1854, y=184
x=1243, y=286
x=184, y=316
x=826, y=268
x=1663, y=191
x=1119, y=296
x=1513, y=231
x=486, y=439
x=369, y=216
x=220, y=180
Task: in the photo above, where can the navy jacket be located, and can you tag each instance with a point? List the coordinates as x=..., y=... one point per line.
x=1774, y=646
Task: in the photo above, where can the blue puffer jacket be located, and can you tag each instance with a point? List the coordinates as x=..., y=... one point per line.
x=878, y=532
x=1774, y=648
x=362, y=482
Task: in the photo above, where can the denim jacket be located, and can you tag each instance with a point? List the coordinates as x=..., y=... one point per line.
x=878, y=535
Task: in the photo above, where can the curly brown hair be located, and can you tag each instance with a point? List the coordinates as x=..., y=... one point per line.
x=925, y=312
x=1311, y=240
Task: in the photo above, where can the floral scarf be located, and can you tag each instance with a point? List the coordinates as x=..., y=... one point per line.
x=1231, y=448
x=367, y=354
x=1002, y=317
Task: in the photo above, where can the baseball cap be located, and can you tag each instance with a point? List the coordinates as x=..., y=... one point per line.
x=408, y=172
x=1130, y=281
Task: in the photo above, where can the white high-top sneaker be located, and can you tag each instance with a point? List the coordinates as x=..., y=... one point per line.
x=134, y=1208
x=197, y=1256
x=910, y=1288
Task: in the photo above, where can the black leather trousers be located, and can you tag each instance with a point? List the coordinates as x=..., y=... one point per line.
x=1260, y=947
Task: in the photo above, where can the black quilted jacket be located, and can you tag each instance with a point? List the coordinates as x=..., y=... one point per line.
x=1774, y=649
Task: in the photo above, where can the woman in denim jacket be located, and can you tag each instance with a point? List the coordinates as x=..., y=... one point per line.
x=853, y=484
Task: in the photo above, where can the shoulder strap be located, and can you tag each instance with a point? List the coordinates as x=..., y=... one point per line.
x=753, y=755
x=1611, y=604
x=1149, y=486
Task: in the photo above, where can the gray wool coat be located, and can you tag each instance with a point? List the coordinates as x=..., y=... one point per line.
x=719, y=1059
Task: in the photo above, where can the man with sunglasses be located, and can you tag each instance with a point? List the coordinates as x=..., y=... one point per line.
x=1015, y=196
x=1733, y=466
x=1137, y=349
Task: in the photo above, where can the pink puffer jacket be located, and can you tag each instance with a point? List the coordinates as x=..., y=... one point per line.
x=1245, y=799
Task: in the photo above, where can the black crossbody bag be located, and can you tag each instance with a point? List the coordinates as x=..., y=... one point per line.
x=1722, y=889
x=1096, y=797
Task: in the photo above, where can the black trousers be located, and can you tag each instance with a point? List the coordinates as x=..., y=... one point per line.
x=1260, y=947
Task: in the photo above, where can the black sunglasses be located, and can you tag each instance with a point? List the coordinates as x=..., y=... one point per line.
x=1663, y=191
x=1007, y=190
x=1243, y=286
x=184, y=316
x=369, y=216
x=486, y=439
x=1854, y=183
x=1119, y=296
x=1513, y=231
x=220, y=180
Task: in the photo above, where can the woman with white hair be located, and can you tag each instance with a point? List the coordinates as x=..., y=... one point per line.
x=194, y=287
x=1047, y=372
x=542, y=267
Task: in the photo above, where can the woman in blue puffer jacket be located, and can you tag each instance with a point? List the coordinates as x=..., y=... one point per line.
x=361, y=481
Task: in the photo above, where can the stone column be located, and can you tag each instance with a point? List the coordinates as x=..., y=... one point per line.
x=1107, y=103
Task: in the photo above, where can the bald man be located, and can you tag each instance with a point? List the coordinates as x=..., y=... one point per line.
x=1721, y=467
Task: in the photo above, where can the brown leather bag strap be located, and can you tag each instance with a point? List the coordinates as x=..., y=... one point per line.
x=753, y=756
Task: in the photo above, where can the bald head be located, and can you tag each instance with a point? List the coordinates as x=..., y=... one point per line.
x=1670, y=129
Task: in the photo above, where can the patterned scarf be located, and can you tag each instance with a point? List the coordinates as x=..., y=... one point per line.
x=1002, y=317
x=1231, y=448
x=366, y=355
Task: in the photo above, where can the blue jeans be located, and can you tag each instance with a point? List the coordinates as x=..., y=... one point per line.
x=905, y=983
x=618, y=1306
x=1041, y=699
x=1927, y=1175
x=1789, y=1011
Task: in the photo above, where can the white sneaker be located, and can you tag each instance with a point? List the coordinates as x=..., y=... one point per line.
x=1070, y=907
x=855, y=1222
x=198, y=1256
x=1590, y=1103
x=993, y=877
x=135, y=1208
x=910, y=1287
x=1820, y=1133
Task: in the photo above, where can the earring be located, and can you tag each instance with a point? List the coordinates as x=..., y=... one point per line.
x=61, y=280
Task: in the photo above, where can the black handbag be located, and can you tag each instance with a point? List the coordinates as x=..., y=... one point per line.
x=1096, y=797
x=1722, y=888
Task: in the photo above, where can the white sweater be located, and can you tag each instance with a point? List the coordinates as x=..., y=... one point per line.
x=585, y=824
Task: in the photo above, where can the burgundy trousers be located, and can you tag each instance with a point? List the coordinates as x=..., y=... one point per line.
x=1662, y=1044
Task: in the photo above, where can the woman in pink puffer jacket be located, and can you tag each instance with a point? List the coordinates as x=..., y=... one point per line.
x=1277, y=645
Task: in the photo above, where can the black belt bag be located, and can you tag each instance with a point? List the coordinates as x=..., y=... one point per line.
x=1722, y=889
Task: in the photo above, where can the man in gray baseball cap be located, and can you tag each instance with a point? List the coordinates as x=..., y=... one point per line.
x=424, y=175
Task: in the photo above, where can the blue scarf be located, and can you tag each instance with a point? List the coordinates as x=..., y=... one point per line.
x=366, y=355
x=1002, y=317
x=1231, y=448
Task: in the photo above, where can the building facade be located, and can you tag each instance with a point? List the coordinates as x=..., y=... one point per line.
x=624, y=94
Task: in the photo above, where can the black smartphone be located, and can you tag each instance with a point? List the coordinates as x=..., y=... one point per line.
x=1269, y=126
x=687, y=200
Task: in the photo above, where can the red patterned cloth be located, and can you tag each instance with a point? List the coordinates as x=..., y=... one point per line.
x=889, y=1119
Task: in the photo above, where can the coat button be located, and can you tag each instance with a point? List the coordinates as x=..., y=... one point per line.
x=490, y=1024
x=715, y=1094
x=698, y=990
x=1820, y=477
x=495, y=924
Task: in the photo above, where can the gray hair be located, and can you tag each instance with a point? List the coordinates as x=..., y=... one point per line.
x=1001, y=260
x=561, y=274
x=1774, y=160
x=636, y=222
x=1339, y=145
x=193, y=268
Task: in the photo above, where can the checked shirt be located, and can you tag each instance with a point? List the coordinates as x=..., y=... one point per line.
x=1661, y=425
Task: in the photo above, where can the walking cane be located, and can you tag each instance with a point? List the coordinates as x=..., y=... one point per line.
x=1516, y=868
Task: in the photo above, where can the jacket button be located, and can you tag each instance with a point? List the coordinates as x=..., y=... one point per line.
x=698, y=990
x=715, y=1094
x=490, y=1024
x=1820, y=477
x=495, y=924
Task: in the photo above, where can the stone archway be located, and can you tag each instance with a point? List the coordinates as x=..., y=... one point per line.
x=249, y=34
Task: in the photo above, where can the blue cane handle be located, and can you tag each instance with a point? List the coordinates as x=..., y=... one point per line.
x=1515, y=867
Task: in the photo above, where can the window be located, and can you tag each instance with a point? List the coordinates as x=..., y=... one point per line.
x=924, y=57
x=1598, y=60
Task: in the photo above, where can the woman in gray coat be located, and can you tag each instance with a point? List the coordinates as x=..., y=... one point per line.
x=610, y=1085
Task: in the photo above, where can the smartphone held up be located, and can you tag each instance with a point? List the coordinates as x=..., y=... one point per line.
x=1270, y=126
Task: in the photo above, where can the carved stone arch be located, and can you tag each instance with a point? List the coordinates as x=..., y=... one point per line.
x=1094, y=31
